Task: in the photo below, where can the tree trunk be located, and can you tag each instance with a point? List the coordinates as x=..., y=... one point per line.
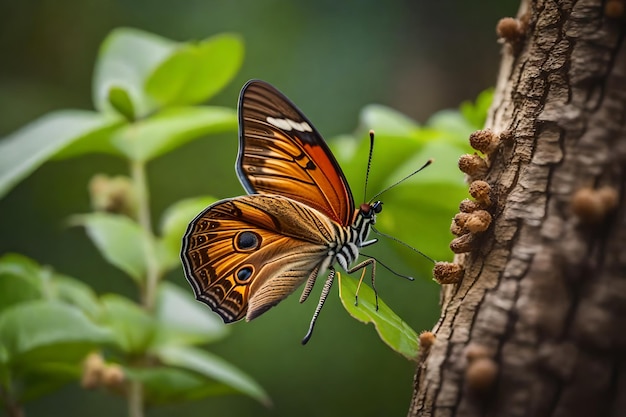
x=537, y=324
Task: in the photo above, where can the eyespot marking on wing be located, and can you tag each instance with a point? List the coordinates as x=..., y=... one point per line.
x=244, y=273
x=288, y=124
x=247, y=241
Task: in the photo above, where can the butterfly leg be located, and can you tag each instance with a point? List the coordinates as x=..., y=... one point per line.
x=363, y=265
x=309, y=284
x=325, y=291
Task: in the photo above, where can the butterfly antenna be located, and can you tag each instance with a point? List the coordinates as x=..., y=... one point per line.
x=369, y=164
x=410, y=278
x=430, y=161
x=402, y=243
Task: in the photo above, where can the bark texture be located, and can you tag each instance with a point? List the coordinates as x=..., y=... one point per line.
x=543, y=297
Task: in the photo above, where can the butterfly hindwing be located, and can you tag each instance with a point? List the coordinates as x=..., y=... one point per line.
x=244, y=255
x=280, y=152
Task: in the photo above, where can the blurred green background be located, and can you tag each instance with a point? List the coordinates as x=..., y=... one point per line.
x=331, y=58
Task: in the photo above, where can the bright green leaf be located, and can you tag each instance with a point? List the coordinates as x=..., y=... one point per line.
x=212, y=367
x=22, y=152
x=183, y=320
x=476, y=113
x=98, y=141
x=19, y=280
x=76, y=293
x=443, y=169
x=391, y=329
x=387, y=121
x=389, y=153
x=417, y=210
x=125, y=60
x=452, y=128
x=121, y=102
x=120, y=241
x=196, y=71
x=36, y=332
x=133, y=328
x=171, y=128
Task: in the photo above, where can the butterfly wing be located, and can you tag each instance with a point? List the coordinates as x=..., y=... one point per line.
x=246, y=254
x=280, y=152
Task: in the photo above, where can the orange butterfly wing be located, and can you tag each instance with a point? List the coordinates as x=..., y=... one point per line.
x=246, y=254
x=280, y=152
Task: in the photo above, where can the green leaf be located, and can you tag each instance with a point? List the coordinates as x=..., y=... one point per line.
x=23, y=279
x=74, y=292
x=419, y=209
x=125, y=60
x=171, y=128
x=120, y=241
x=452, y=127
x=121, y=102
x=22, y=152
x=36, y=332
x=476, y=113
x=183, y=320
x=174, y=224
x=19, y=280
x=133, y=328
x=391, y=329
x=387, y=121
x=196, y=71
x=212, y=368
x=165, y=385
x=389, y=153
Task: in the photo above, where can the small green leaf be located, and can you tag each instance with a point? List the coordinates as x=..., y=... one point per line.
x=22, y=152
x=171, y=128
x=36, y=332
x=165, y=385
x=387, y=121
x=476, y=113
x=183, y=320
x=125, y=60
x=77, y=293
x=120, y=241
x=19, y=280
x=196, y=71
x=391, y=329
x=121, y=102
x=174, y=224
x=133, y=328
x=213, y=368
x=452, y=128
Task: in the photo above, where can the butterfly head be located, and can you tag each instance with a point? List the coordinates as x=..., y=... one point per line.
x=370, y=210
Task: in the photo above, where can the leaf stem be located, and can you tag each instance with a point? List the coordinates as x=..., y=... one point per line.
x=148, y=296
x=153, y=272
x=135, y=399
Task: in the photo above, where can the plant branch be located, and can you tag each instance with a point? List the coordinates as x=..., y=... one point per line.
x=153, y=273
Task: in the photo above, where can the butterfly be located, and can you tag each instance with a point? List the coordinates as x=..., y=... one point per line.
x=244, y=255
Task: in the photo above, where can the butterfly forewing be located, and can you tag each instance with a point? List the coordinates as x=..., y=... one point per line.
x=280, y=152
x=246, y=254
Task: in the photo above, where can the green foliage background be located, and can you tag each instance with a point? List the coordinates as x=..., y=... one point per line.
x=332, y=59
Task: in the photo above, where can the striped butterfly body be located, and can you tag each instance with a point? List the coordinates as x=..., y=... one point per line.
x=244, y=255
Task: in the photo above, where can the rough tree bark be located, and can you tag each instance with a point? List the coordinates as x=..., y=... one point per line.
x=542, y=300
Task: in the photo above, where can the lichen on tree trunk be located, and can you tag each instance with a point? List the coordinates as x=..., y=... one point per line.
x=543, y=296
